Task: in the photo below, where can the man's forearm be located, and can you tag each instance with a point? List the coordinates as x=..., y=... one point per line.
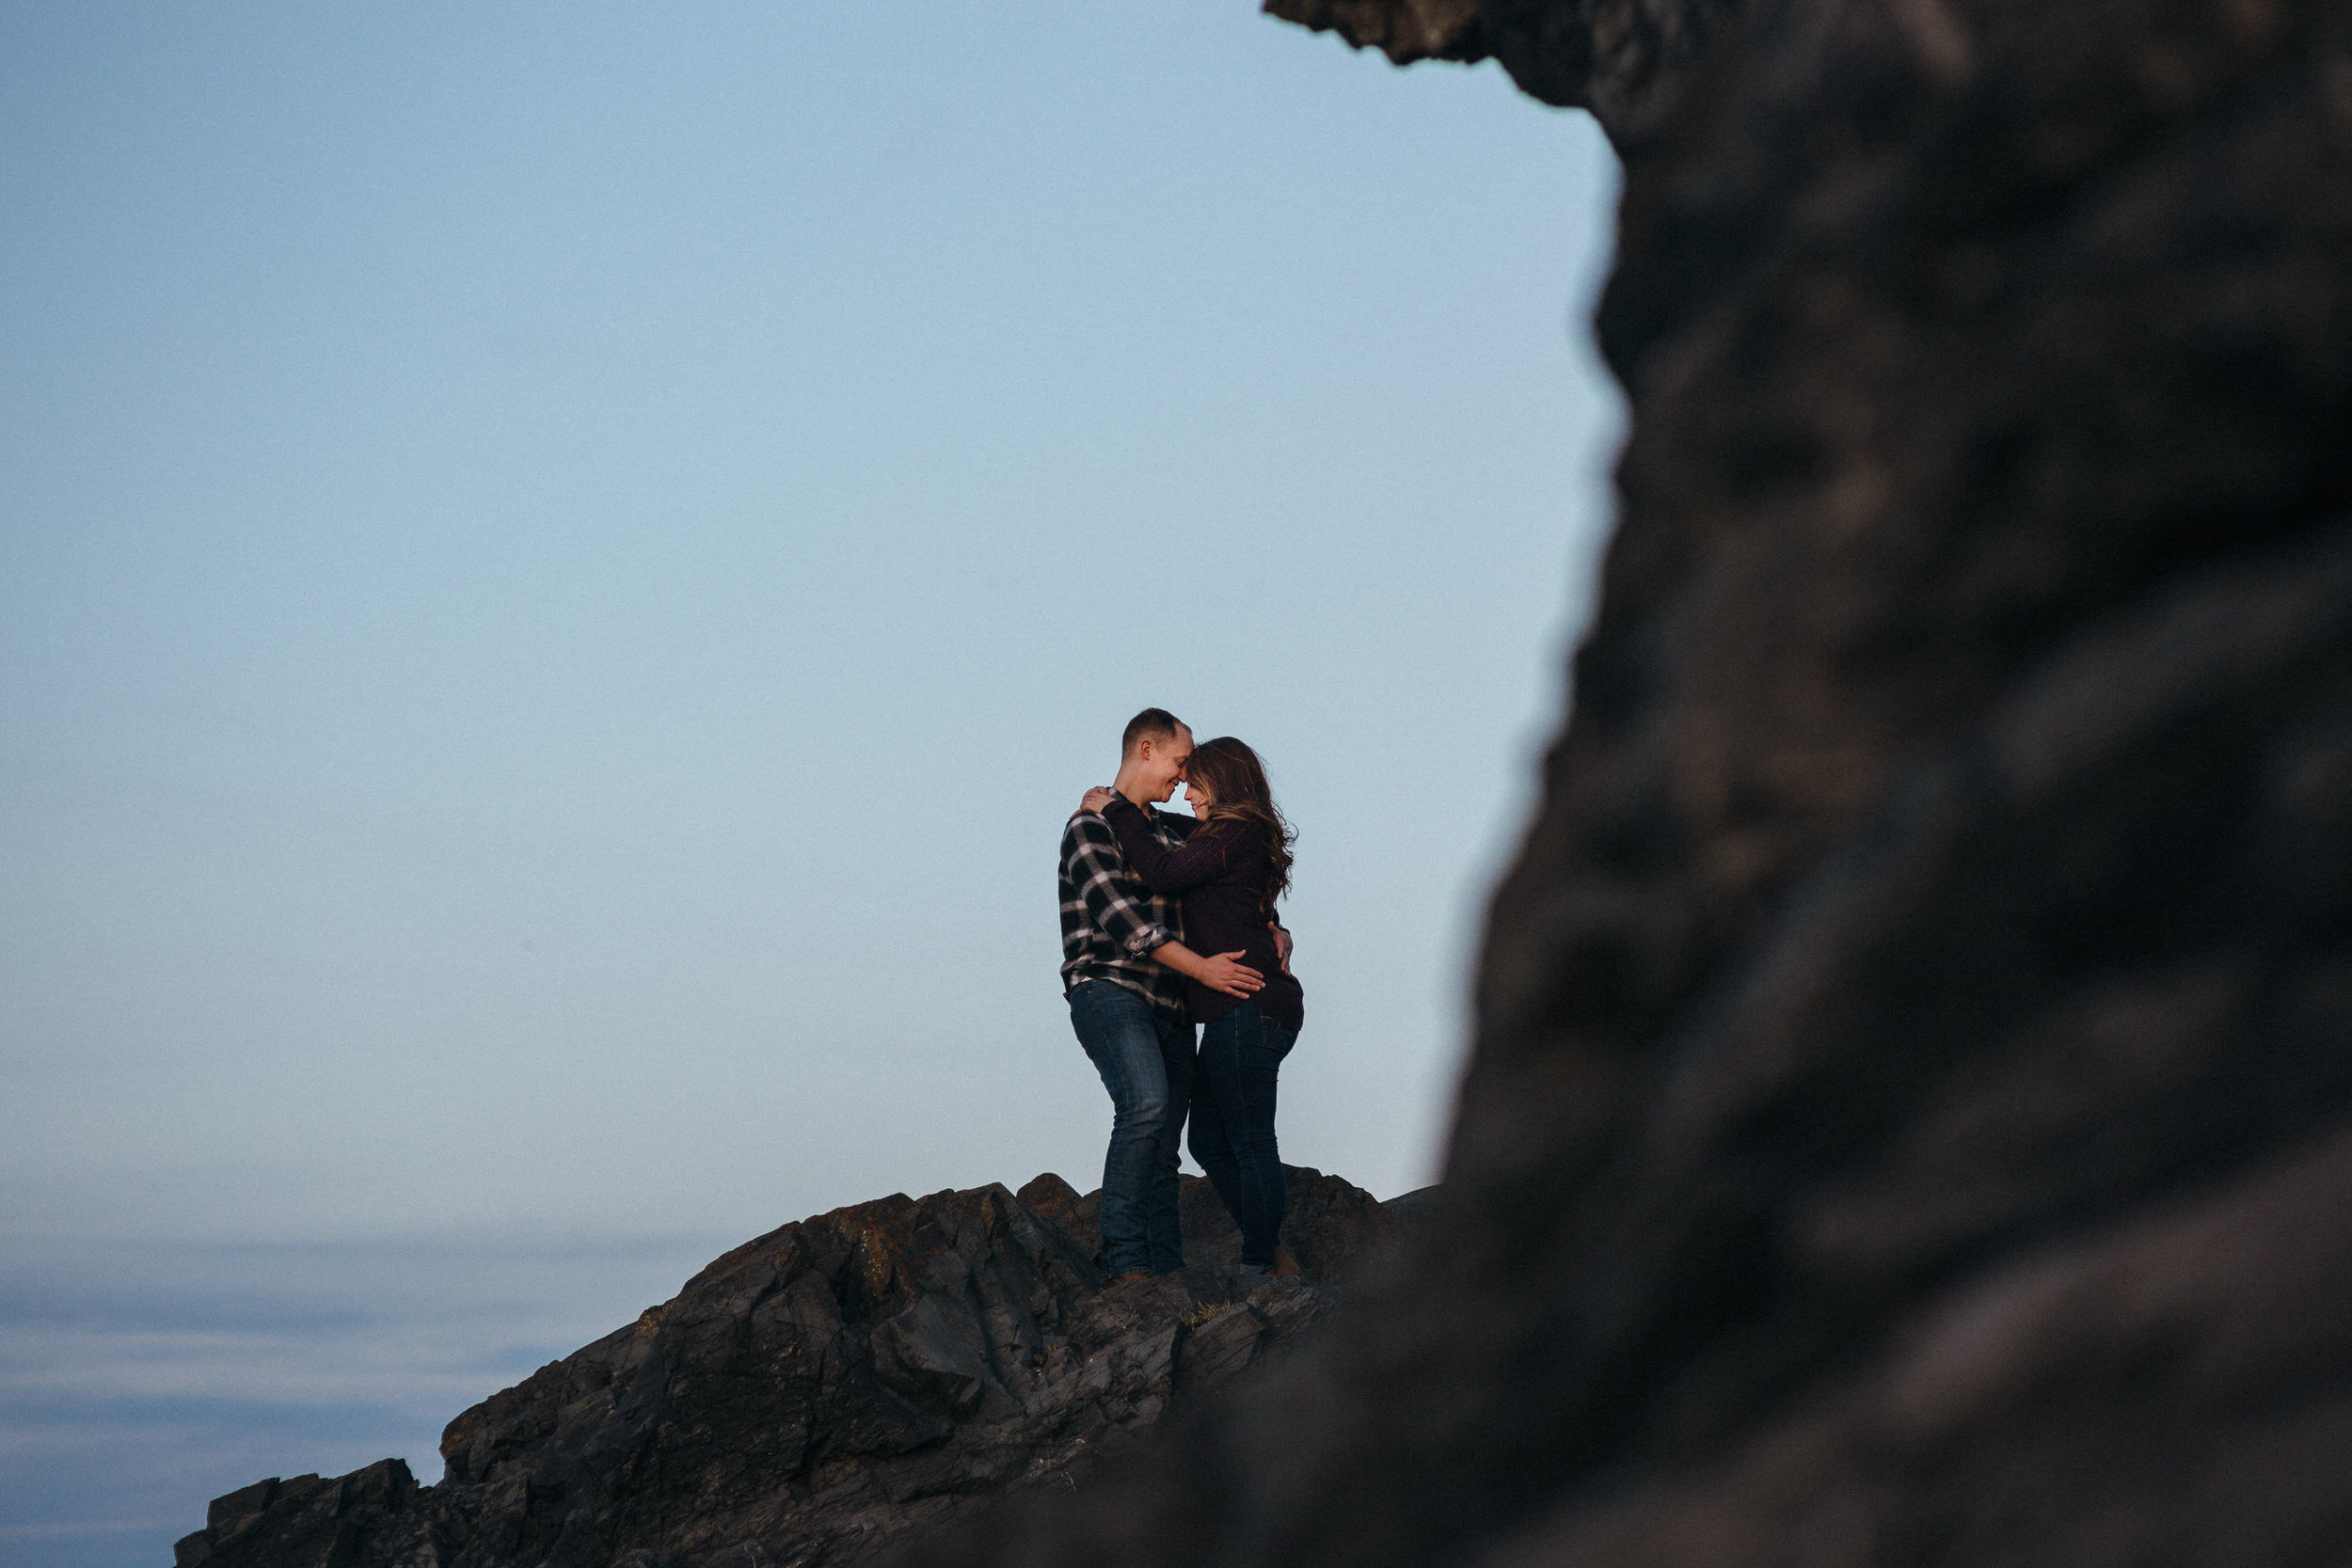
x=1220, y=974
x=1176, y=955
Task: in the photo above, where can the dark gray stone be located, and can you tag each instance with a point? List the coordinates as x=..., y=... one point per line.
x=1909, y=1118
x=1622, y=59
x=818, y=1393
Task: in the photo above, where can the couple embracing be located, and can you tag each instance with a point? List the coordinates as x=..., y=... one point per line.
x=1168, y=921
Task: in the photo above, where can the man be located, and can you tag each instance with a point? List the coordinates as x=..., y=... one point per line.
x=1123, y=966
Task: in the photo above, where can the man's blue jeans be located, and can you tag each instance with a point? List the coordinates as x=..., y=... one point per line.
x=1233, y=1125
x=1146, y=1060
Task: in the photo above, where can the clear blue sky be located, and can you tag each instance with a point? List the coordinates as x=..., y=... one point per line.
x=560, y=567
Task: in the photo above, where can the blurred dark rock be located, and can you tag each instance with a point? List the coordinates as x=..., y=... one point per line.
x=818, y=1392
x=1910, y=1113
x=1619, y=58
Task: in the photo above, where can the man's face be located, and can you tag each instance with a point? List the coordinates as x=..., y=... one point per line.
x=1160, y=763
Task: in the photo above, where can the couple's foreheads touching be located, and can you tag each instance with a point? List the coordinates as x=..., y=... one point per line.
x=1170, y=924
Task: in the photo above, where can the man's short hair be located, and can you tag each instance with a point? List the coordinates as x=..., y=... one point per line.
x=1156, y=722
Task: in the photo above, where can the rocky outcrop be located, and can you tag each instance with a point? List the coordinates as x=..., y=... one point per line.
x=1619, y=58
x=1910, y=1118
x=815, y=1394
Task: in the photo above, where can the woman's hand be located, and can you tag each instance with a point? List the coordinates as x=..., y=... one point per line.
x=1096, y=798
x=1222, y=974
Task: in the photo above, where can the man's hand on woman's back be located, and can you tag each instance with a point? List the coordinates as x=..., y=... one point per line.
x=1221, y=973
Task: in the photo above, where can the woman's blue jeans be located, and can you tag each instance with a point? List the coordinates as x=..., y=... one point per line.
x=1232, y=1124
x=1145, y=1057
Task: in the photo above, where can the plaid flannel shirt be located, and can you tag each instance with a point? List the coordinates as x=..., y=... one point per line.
x=1110, y=922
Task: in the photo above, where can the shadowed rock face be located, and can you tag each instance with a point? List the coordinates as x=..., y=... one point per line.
x=818, y=1392
x=1910, y=1113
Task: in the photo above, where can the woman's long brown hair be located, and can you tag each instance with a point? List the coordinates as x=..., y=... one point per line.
x=1235, y=781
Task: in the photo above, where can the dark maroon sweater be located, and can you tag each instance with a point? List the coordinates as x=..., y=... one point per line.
x=1216, y=874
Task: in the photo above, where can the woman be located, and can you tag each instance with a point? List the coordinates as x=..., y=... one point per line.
x=1228, y=874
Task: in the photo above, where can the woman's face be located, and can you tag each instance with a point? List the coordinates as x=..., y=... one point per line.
x=1196, y=797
